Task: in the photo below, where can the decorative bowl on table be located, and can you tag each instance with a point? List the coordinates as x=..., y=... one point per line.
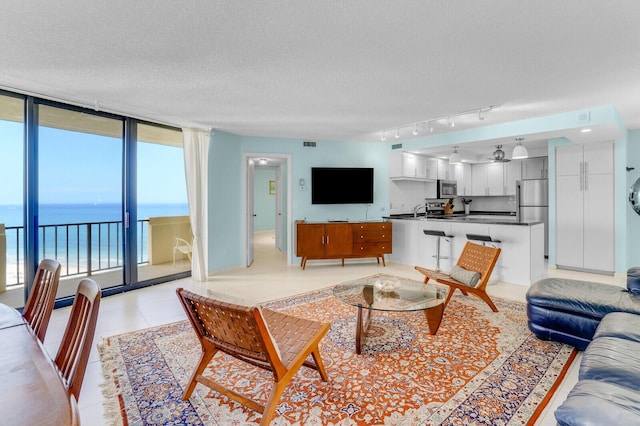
x=386, y=284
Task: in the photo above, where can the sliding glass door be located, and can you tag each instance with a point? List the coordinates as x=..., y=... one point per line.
x=11, y=200
x=163, y=214
x=80, y=193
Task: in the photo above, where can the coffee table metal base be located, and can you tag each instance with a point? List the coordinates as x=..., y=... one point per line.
x=433, y=316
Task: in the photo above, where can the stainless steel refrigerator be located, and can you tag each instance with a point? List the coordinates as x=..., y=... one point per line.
x=532, y=201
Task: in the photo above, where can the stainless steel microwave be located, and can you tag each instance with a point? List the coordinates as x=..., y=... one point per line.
x=447, y=188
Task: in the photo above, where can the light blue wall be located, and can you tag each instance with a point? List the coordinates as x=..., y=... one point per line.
x=264, y=206
x=225, y=177
x=225, y=201
x=633, y=219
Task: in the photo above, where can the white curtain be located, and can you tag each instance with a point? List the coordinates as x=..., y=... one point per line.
x=196, y=165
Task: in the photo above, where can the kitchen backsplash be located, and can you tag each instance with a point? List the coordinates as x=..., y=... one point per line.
x=506, y=203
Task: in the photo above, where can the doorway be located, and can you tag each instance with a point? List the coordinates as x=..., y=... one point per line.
x=271, y=192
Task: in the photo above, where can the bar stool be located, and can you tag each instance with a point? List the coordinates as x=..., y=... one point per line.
x=440, y=235
x=485, y=240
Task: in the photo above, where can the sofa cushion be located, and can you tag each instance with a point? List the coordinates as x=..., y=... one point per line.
x=633, y=280
x=595, y=403
x=612, y=360
x=586, y=298
x=619, y=324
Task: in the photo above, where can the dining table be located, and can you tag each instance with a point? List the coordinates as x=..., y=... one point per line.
x=32, y=390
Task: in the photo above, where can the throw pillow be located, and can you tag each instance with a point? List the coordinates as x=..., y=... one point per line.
x=465, y=276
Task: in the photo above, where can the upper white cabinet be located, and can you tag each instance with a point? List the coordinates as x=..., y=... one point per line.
x=445, y=170
x=462, y=174
x=585, y=232
x=512, y=173
x=535, y=168
x=488, y=179
x=407, y=165
x=431, y=168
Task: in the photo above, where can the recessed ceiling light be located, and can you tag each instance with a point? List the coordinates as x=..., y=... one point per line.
x=585, y=130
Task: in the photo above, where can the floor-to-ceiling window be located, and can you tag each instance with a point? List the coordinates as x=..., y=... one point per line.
x=80, y=193
x=72, y=178
x=163, y=213
x=11, y=199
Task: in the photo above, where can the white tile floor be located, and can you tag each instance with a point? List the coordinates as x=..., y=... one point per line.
x=267, y=279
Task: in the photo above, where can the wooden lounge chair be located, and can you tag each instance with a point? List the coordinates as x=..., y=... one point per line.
x=476, y=258
x=261, y=337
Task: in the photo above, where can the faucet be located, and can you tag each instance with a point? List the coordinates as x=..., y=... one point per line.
x=416, y=208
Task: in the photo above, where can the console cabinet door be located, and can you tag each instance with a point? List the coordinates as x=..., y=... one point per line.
x=338, y=239
x=310, y=239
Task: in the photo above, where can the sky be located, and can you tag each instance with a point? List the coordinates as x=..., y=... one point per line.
x=79, y=167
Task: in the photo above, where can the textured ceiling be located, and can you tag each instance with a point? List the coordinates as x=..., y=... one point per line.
x=325, y=69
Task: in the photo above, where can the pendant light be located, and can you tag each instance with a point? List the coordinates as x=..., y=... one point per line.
x=520, y=151
x=455, y=158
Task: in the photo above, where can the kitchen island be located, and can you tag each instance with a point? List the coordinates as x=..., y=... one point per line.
x=521, y=260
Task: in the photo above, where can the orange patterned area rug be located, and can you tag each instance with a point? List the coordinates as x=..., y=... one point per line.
x=481, y=368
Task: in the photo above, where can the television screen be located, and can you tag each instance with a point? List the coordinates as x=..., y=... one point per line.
x=341, y=185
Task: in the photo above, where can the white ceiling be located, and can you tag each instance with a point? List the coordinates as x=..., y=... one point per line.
x=325, y=69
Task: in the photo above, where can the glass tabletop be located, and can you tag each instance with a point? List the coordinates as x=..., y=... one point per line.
x=386, y=293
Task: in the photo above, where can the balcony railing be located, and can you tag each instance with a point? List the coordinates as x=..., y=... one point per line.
x=81, y=248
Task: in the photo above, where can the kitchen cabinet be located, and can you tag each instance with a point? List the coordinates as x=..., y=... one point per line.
x=444, y=170
x=585, y=207
x=512, y=173
x=535, y=168
x=488, y=179
x=342, y=240
x=462, y=175
x=407, y=165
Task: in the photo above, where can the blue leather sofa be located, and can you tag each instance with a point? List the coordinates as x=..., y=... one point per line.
x=569, y=311
x=608, y=388
x=604, y=320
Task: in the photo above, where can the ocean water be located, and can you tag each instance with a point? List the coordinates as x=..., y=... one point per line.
x=68, y=244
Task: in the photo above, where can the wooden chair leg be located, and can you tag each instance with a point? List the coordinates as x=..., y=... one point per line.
x=449, y=294
x=272, y=403
x=484, y=296
x=320, y=366
x=205, y=359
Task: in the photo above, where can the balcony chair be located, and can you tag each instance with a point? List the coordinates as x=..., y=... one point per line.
x=73, y=353
x=183, y=247
x=470, y=274
x=258, y=336
x=37, y=311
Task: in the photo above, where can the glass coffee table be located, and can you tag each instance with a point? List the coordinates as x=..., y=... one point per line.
x=391, y=294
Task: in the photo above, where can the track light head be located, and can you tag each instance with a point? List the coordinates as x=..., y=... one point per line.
x=398, y=133
x=415, y=131
x=384, y=136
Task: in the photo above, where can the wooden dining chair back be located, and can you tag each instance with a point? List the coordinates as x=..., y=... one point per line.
x=258, y=336
x=474, y=258
x=74, y=350
x=37, y=311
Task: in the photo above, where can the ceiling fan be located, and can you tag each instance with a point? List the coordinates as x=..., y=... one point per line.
x=498, y=155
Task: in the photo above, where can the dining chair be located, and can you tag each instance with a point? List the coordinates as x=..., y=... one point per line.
x=37, y=311
x=73, y=353
x=258, y=336
x=470, y=274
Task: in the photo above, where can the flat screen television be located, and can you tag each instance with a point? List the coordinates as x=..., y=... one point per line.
x=341, y=185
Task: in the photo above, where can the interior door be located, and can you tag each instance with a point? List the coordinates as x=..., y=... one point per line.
x=279, y=208
x=250, y=212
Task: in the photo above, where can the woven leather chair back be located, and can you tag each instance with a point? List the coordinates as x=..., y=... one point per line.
x=232, y=328
x=478, y=258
